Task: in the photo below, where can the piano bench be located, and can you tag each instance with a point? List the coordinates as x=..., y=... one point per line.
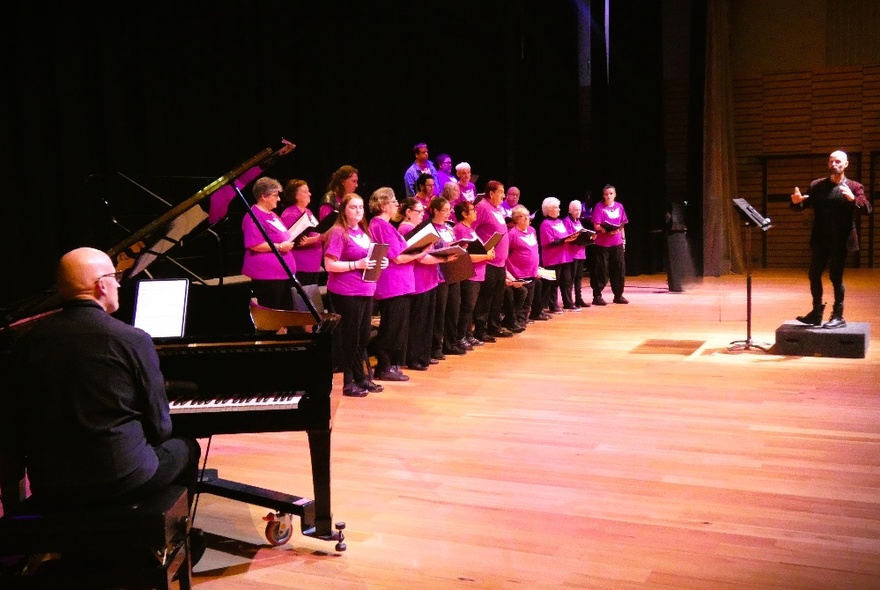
x=141, y=544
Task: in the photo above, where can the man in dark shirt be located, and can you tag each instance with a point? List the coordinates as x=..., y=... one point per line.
x=87, y=415
x=834, y=200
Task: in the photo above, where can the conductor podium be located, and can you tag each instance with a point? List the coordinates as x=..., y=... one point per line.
x=796, y=339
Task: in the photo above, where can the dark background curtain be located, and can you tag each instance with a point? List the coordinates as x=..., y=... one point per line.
x=189, y=92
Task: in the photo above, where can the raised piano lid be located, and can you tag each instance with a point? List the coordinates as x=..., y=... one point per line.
x=160, y=234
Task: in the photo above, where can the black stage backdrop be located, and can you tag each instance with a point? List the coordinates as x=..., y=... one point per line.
x=191, y=91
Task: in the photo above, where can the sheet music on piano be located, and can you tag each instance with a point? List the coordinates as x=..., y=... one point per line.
x=160, y=307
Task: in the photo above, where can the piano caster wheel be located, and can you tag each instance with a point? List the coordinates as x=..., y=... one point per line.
x=278, y=528
x=340, y=545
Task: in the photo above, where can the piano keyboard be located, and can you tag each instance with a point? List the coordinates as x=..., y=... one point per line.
x=275, y=401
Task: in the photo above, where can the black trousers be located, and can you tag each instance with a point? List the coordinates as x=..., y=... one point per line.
x=391, y=340
x=564, y=284
x=274, y=294
x=453, y=310
x=470, y=291
x=421, y=328
x=178, y=464
x=487, y=312
x=538, y=298
x=518, y=304
x=437, y=332
x=577, y=279
x=354, y=334
x=609, y=264
x=834, y=258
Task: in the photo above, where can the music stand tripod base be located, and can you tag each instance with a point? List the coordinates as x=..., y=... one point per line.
x=744, y=345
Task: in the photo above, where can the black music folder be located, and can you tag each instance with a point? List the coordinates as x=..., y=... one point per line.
x=460, y=269
x=448, y=251
x=609, y=227
x=327, y=222
x=477, y=246
x=377, y=252
x=584, y=237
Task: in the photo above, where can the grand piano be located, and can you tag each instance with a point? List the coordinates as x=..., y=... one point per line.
x=238, y=367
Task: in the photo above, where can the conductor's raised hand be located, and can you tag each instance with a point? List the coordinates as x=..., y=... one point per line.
x=797, y=197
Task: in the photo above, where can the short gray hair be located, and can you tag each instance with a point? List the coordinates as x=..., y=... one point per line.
x=266, y=185
x=549, y=202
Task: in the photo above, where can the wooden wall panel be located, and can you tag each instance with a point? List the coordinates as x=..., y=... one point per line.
x=786, y=112
x=836, y=118
x=871, y=106
x=749, y=100
x=792, y=121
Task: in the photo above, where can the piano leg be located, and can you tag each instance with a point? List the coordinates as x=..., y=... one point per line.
x=319, y=449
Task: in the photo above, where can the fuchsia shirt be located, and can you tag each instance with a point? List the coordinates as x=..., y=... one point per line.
x=308, y=258
x=397, y=279
x=354, y=246
x=264, y=266
x=523, y=260
x=489, y=220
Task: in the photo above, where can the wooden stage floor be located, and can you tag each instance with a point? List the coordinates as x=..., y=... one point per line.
x=621, y=448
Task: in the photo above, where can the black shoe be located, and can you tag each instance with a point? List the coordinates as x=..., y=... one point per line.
x=501, y=333
x=515, y=328
x=834, y=323
x=370, y=386
x=474, y=341
x=454, y=349
x=485, y=338
x=438, y=356
x=417, y=367
x=814, y=318
x=389, y=375
x=542, y=317
x=464, y=344
x=354, y=390
x=599, y=301
x=621, y=299
x=581, y=304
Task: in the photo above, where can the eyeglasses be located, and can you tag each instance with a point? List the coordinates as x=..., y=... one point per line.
x=417, y=210
x=117, y=276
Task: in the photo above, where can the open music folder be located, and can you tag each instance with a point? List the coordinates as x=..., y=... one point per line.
x=420, y=237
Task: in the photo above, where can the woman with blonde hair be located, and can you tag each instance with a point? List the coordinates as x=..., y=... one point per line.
x=345, y=259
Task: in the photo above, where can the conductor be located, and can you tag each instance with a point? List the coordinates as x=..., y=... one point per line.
x=834, y=200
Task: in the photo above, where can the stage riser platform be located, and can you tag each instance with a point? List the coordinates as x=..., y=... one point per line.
x=796, y=339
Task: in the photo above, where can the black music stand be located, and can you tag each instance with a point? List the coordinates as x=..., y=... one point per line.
x=752, y=219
